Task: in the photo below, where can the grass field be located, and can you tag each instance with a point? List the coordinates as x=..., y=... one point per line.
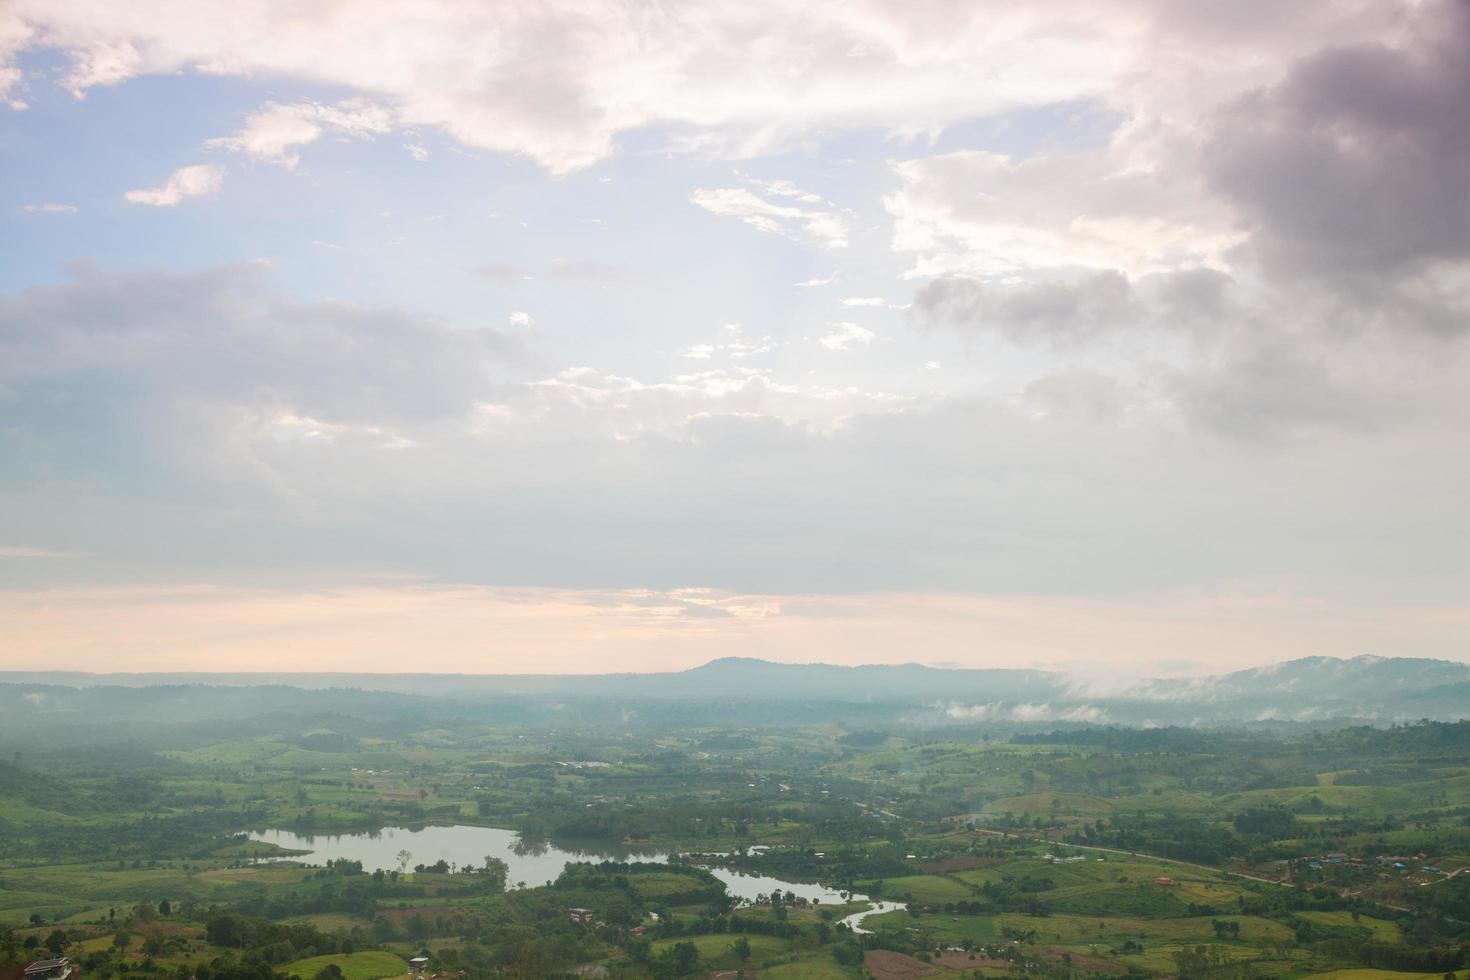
x=716, y=951
x=355, y=966
x=1382, y=929
x=926, y=888
x=817, y=966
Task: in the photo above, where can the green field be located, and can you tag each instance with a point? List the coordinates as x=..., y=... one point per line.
x=1033, y=853
x=354, y=966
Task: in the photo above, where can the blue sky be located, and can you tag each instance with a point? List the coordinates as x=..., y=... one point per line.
x=599, y=335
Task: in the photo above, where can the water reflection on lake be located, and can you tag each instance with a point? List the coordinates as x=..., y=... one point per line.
x=748, y=886
x=531, y=862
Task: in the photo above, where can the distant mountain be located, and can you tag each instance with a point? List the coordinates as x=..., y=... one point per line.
x=1366, y=678
x=725, y=679
x=743, y=676
x=1308, y=690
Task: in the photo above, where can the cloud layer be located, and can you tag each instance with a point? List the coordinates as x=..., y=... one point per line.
x=374, y=439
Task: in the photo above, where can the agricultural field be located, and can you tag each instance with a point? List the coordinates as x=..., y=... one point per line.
x=339, y=842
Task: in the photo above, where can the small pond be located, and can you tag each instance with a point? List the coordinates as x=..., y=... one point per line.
x=534, y=863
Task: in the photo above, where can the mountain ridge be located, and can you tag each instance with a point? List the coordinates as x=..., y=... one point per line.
x=1312, y=689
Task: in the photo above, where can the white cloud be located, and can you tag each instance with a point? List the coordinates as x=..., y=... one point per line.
x=49, y=207
x=1025, y=712
x=274, y=132
x=981, y=213
x=520, y=318
x=844, y=335
x=419, y=153
x=732, y=344
x=185, y=182
x=825, y=227
x=560, y=83
x=11, y=78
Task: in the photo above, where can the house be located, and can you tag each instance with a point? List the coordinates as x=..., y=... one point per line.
x=57, y=969
x=1163, y=881
x=418, y=966
x=581, y=917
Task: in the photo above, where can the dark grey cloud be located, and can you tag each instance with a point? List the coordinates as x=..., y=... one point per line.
x=1355, y=167
x=127, y=370
x=1077, y=309
x=1089, y=395
x=1052, y=311
x=1348, y=179
x=1273, y=388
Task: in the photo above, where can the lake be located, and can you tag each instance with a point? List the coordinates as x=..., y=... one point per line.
x=534, y=863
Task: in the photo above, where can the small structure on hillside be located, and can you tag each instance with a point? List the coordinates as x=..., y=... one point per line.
x=57, y=969
x=1163, y=881
x=418, y=966
x=581, y=917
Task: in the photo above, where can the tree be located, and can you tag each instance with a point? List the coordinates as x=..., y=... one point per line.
x=678, y=961
x=742, y=949
x=496, y=872
x=164, y=908
x=224, y=930
x=404, y=856
x=57, y=942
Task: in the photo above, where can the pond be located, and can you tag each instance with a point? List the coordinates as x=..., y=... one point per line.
x=531, y=862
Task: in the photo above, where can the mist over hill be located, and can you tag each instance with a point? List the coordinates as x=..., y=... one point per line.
x=1312, y=690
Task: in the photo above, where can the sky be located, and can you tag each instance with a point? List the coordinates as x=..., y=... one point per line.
x=622, y=335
